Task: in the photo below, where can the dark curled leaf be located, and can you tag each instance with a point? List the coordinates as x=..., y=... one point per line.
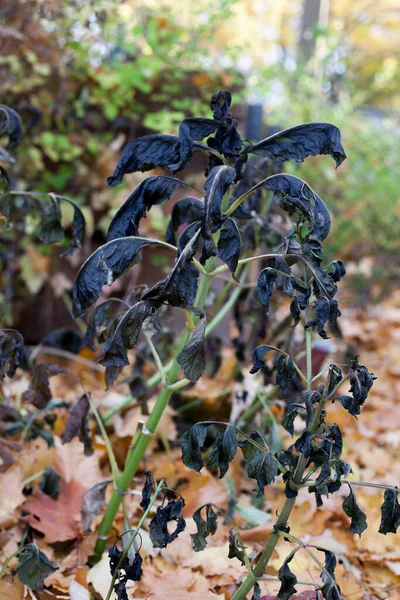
x=187, y=210
x=92, y=503
x=330, y=589
x=333, y=442
x=204, y=527
x=286, y=371
x=147, y=490
x=324, y=310
x=150, y=192
x=288, y=580
x=78, y=424
x=33, y=567
x=258, y=354
x=179, y=288
x=50, y=482
x=126, y=335
x=296, y=143
x=145, y=153
x=260, y=465
x=190, y=130
x=390, y=512
x=99, y=321
x=158, y=527
x=228, y=247
x=339, y=270
x=11, y=351
x=128, y=570
x=328, y=481
x=265, y=285
x=103, y=267
x=224, y=450
x=111, y=376
x=39, y=392
x=192, y=356
x=192, y=441
x=11, y=125
x=350, y=404
x=335, y=377
x=236, y=550
x=227, y=140
x=361, y=381
x=78, y=227
x=304, y=443
x=50, y=228
x=311, y=398
x=216, y=186
x=358, y=517
x=291, y=413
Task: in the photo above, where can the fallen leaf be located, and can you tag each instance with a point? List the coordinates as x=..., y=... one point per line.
x=11, y=496
x=59, y=519
x=71, y=463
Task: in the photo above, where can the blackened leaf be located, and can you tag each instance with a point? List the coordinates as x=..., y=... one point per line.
x=296, y=143
x=92, y=503
x=288, y=580
x=216, y=186
x=111, y=376
x=235, y=548
x=127, y=571
x=334, y=379
x=324, y=310
x=33, y=567
x=265, y=285
x=10, y=124
x=78, y=226
x=224, y=450
x=390, y=511
x=50, y=482
x=330, y=589
x=179, y=288
x=134, y=571
x=350, y=404
x=191, y=443
x=126, y=335
x=358, y=517
x=333, y=442
x=78, y=424
x=286, y=371
x=261, y=465
x=291, y=413
x=258, y=353
x=144, y=154
x=228, y=247
x=103, y=267
x=147, y=490
x=187, y=210
x=39, y=392
x=204, y=527
x=190, y=130
x=151, y=191
x=361, y=381
x=192, y=356
x=158, y=527
x=50, y=228
x=304, y=443
x=339, y=270
x=11, y=351
x=99, y=321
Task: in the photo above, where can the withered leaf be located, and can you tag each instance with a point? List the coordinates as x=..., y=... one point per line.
x=92, y=503
x=33, y=567
x=78, y=424
x=158, y=527
x=260, y=464
x=11, y=351
x=192, y=356
x=39, y=392
x=358, y=517
x=204, y=527
x=390, y=511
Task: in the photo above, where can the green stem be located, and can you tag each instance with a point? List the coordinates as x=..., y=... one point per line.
x=135, y=458
x=288, y=506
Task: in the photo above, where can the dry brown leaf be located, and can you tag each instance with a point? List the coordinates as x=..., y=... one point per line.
x=11, y=496
x=72, y=463
x=11, y=590
x=60, y=519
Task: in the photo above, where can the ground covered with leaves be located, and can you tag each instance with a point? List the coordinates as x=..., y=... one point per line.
x=52, y=495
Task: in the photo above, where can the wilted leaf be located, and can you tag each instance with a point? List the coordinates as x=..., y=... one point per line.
x=92, y=503
x=158, y=527
x=296, y=143
x=147, y=490
x=50, y=482
x=99, y=321
x=39, y=392
x=324, y=310
x=11, y=125
x=258, y=353
x=187, y=210
x=358, y=517
x=235, y=549
x=228, y=247
x=33, y=567
x=204, y=527
x=286, y=371
x=260, y=464
x=191, y=443
x=291, y=413
x=192, y=356
x=78, y=227
x=224, y=450
x=103, y=267
x=190, y=130
x=11, y=351
x=145, y=153
x=78, y=424
x=288, y=580
x=150, y=192
x=390, y=511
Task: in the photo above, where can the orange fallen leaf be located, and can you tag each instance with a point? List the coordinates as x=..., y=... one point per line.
x=60, y=519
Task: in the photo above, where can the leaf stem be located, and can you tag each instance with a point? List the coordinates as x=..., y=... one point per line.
x=157, y=359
